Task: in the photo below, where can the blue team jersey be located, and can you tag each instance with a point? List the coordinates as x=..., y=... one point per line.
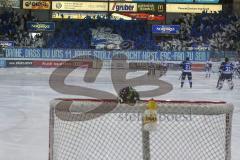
x=186, y=66
x=227, y=68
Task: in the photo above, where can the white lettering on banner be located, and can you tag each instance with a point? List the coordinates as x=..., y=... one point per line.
x=168, y=57
x=152, y=54
x=198, y=56
x=54, y=53
x=168, y=29
x=164, y=56
x=46, y=53
x=123, y=7
x=14, y=53
x=145, y=56
x=78, y=53
x=148, y=55
x=32, y=53
x=102, y=55
x=68, y=54
x=190, y=55
x=117, y=54
x=57, y=53
x=179, y=56
x=133, y=55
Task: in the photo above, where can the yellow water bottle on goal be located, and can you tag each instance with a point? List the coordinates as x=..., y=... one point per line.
x=150, y=116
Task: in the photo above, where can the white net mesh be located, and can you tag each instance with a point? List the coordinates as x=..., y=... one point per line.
x=185, y=131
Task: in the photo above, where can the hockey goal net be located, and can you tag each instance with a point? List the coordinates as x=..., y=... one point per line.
x=87, y=129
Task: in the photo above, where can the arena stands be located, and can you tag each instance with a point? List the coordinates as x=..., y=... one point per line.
x=13, y=28
x=101, y=32
x=216, y=31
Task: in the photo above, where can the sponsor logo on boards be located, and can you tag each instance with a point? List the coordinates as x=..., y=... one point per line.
x=124, y=7
x=59, y=5
x=36, y=5
x=151, y=7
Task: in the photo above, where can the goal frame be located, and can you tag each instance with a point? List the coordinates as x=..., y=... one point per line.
x=222, y=108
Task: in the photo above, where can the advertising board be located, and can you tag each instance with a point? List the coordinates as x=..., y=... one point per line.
x=193, y=8
x=206, y=1
x=122, y=7
x=166, y=29
x=67, y=64
x=145, y=16
x=6, y=44
x=37, y=5
x=59, y=54
x=151, y=7
x=19, y=63
x=40, y=26
x=10, y=3
x=76, y=15
x=79, y=6
x=179, y=1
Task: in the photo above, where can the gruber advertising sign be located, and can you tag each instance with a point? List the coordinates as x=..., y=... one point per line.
x=122, y=7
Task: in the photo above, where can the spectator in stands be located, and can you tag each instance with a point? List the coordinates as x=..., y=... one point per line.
x=215, y=31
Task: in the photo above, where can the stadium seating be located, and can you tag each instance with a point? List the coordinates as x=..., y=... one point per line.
x=216, y=31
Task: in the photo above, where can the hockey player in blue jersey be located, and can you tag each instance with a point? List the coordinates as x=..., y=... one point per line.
x=226, y=70
x=186, y=67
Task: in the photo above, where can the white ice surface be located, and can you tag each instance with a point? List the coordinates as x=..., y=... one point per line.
x=25, y=96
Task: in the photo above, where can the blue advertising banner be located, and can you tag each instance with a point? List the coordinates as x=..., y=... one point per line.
x=206, y=1
x=6, y=44
x=148, y=0
x=166, y=29
x=2, y=63
x=41, y=26
x=179, y=1
x=39, y=53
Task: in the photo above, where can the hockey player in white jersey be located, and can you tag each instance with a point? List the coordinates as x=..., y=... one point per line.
x=164, y=66
x=151, y=67
x=226, y=70
x=208, y=69
x=236, y=69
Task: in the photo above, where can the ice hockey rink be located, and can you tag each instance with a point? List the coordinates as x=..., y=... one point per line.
x=25, y=96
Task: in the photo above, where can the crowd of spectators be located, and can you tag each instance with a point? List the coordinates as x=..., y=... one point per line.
x=13, y=27
x=82, y=34
x=216, y=31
